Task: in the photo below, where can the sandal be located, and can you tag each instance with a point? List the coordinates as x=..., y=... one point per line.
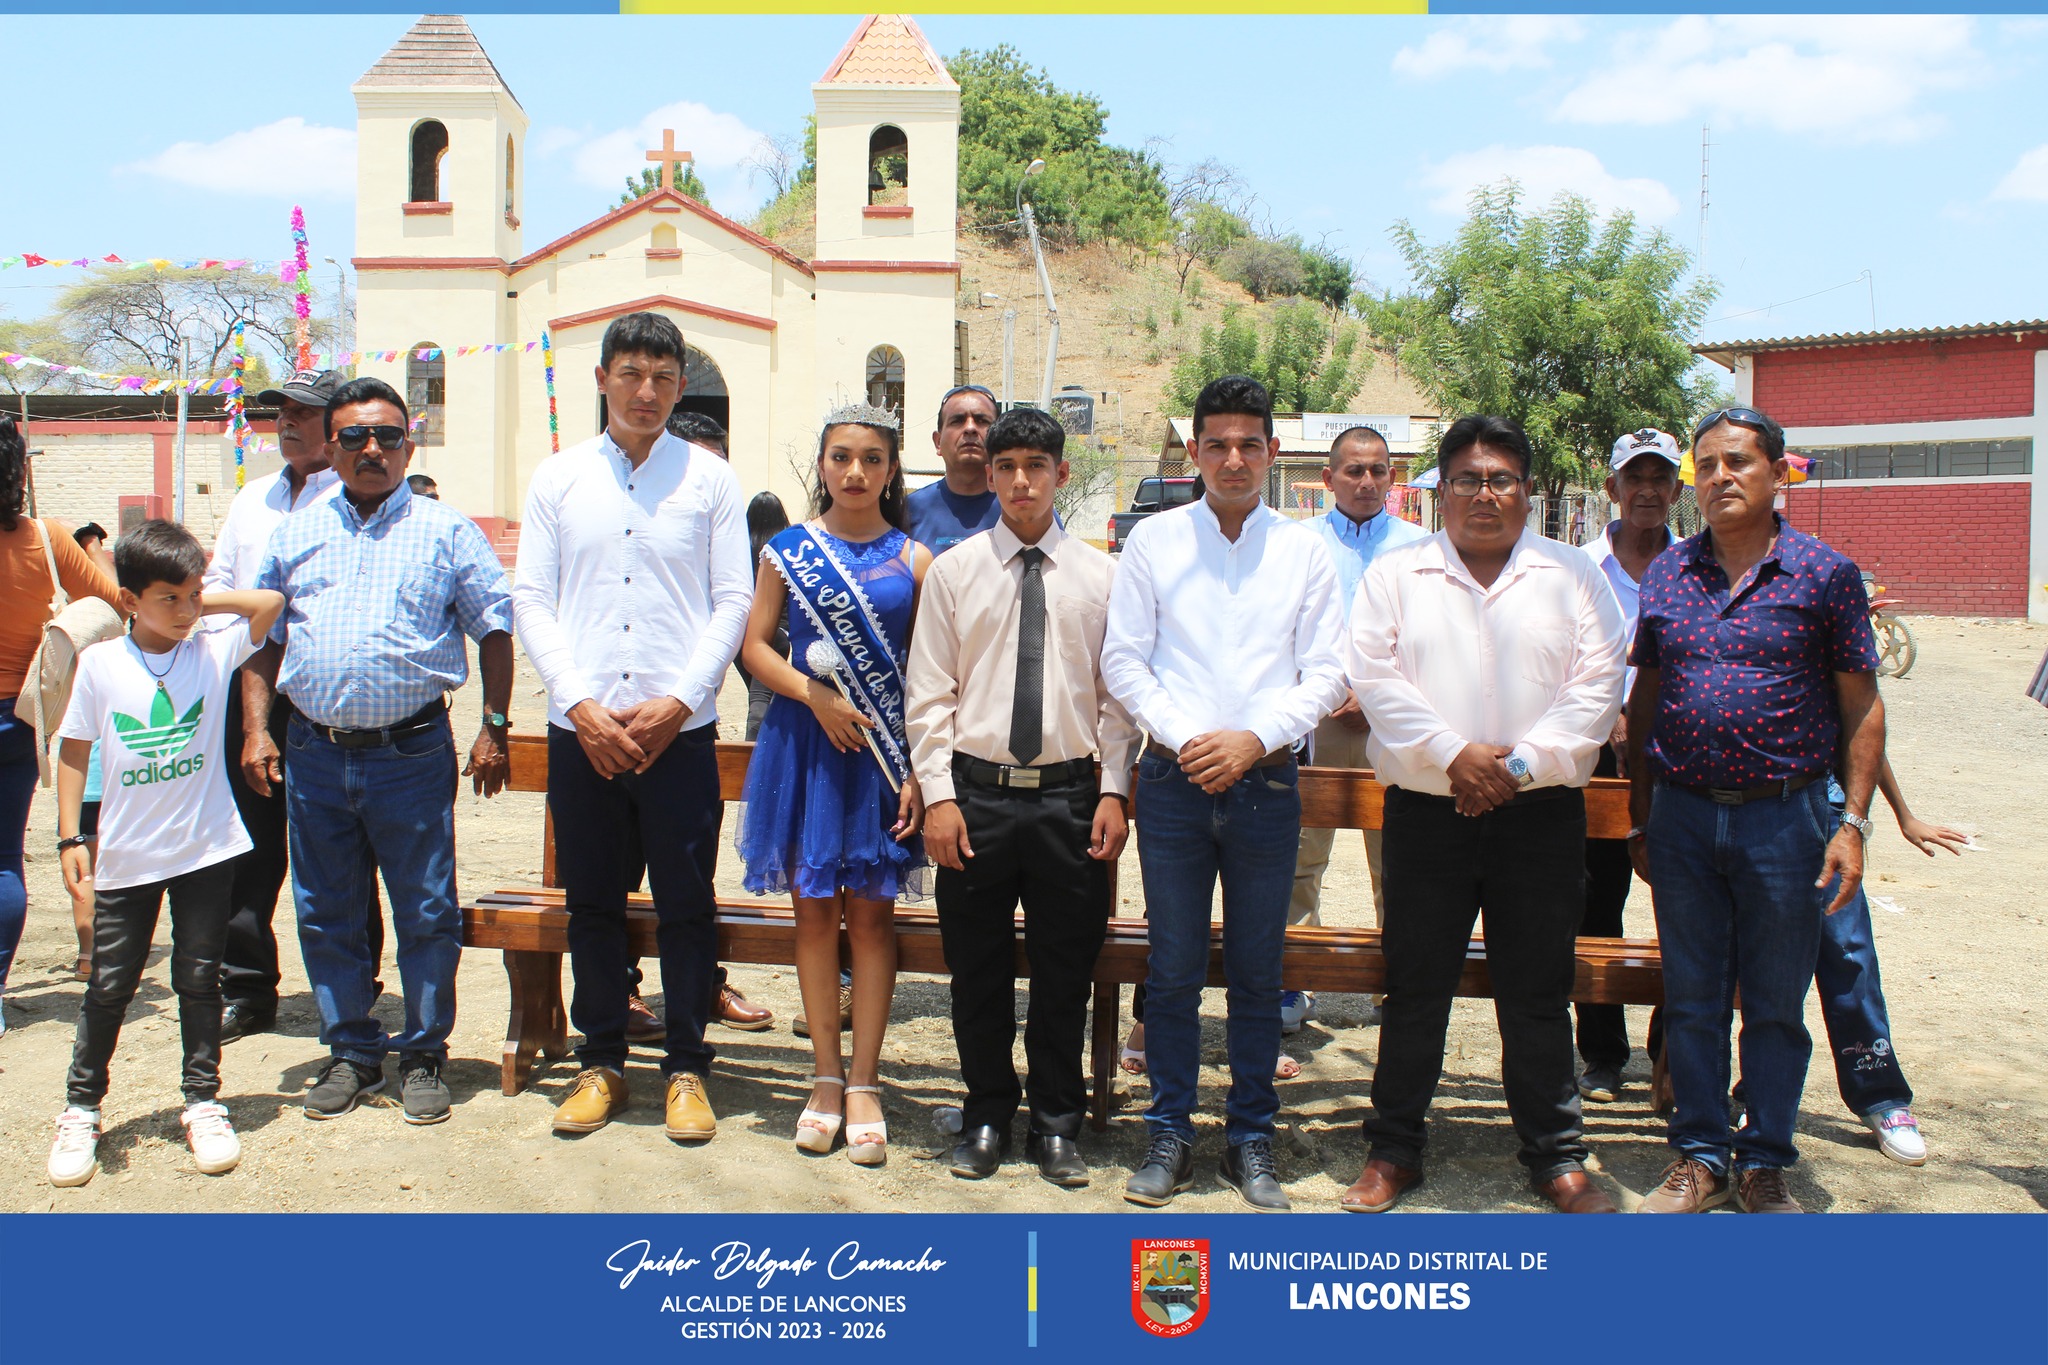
x=815, y=1132
x=81, y=970
x=867, y=1144
x=1131, y=1060
x=1286, y=1069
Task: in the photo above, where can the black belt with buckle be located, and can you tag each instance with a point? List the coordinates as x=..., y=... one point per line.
x=1742, y=796
x=983, y=773
x=426, y=718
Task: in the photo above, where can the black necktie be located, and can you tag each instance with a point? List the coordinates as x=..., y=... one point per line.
x=1027, y=713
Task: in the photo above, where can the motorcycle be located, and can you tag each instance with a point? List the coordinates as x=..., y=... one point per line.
x=1897, y=649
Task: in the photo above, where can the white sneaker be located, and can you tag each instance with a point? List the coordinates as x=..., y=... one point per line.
x=75, y=1155
x=1898, y=1135
x=215, y=1148
x=1296, y=1009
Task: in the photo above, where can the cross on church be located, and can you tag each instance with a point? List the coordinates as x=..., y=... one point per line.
x=671, y=159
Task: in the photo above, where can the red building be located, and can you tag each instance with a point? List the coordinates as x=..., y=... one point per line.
x=1928, y=448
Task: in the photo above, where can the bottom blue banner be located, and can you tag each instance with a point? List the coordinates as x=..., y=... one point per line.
x=984, y=1287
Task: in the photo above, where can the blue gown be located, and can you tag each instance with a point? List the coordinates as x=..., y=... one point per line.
x=816, y=820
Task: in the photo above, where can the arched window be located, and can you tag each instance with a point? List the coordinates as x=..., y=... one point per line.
x=426, y=393
x=888, y=166
x=429, y=145
x=510, y=182
x=885, y=378
x=662, y=237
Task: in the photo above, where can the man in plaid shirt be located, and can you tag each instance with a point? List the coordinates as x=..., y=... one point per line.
x=380, y=588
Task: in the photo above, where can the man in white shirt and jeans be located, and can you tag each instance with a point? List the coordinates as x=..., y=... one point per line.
x=634, y=582
x=1488, y=661
x=1224, y=627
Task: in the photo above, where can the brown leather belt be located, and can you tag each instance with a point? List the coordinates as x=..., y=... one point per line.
x=1742, y=796
x=1278, y=758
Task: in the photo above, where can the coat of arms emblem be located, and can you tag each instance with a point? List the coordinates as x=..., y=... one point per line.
x=1169, y=1284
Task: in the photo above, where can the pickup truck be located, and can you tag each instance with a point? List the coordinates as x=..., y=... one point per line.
x=1155, y=494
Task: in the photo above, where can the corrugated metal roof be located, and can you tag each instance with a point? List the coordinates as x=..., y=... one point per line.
x=887, y=49
x=438, y=50
x=1714, y=350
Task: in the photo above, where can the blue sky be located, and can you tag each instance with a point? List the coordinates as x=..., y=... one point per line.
x=1913, y=148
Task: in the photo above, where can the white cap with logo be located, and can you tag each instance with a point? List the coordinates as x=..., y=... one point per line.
x=1647, y=441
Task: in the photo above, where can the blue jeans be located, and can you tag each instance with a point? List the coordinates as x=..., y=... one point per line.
x=17, y=789
x=1736, y=907
x=353, y=813
x=1186, y=839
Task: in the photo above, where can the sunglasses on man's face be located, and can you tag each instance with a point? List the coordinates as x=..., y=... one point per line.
x=353, y=439
x=1742, y=417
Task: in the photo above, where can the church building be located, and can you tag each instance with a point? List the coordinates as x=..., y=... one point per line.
x=775, y=341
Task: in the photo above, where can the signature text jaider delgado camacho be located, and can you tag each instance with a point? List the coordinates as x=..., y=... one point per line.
x=728, y=1259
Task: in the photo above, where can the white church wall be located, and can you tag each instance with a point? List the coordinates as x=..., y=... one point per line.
x=847, y=117
x=472, y=178
x=448, y=308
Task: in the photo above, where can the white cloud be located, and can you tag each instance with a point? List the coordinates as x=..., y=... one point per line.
x=1858, y=79
x=290, y=156
x=1487, y=44
x=720, y=142
x=2028, y=179
x=1544, y=173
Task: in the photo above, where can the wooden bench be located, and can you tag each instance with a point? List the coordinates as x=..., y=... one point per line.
x=530, y=926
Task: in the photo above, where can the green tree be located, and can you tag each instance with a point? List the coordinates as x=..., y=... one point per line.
x=43, y=339
x=1012, y=114
x=1327, y=277
x=131, y=321
x=1203, y=234
x=1266, y=267
x=682, y=177
x=1575, y=328
x=1310, y=361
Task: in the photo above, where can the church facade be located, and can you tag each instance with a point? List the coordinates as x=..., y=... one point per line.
x=776, y=340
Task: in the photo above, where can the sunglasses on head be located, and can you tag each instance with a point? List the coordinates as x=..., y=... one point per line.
x=353, y=439
x=1742, y=417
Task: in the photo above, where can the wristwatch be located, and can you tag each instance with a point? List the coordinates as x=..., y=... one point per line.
x=1518, y=768
x=75, y=841
x=496, y=720
x=1858, y=823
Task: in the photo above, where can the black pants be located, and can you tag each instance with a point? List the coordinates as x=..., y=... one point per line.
x=123, y=923
x=1524, y=865
x=675, y=806
x=248, y=970
x=1603, y=1029
x=1030, y=846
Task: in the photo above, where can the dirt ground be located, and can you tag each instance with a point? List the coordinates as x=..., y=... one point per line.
x=1964, y=964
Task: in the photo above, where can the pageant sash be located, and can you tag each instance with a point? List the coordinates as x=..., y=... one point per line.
x=841, y=612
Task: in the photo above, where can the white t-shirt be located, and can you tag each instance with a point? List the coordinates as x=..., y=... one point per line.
x=165, y=806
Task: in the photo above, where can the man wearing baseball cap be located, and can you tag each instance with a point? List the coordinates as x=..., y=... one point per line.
x=249, y=972
x=1643, y=482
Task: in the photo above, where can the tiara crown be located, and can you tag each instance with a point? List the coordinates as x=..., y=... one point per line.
x=865, y=414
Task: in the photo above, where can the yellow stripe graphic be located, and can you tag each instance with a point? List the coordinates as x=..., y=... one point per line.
x=1034, y=1289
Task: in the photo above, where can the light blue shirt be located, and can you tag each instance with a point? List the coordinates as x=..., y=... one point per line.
x=1354, y=545
x=376, y=607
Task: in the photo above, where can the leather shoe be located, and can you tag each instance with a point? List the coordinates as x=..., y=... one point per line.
x=643, y=1025
x=239, y=1021
x=597, y=1097
x=1168, y=1168
x=980, y=1152
x=1053, y=1143
x=736, y=1011
x=1379, y=1185
x=1575, y=1192
x=687, y=1115
x=1248, y=1168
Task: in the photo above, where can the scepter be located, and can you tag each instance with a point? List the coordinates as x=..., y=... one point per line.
x=824, y=659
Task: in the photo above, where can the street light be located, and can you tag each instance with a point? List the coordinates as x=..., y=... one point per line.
x=1052, y=308
x=340, y=306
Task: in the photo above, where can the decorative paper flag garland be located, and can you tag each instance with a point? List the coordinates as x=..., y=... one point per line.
x=302, y=305
x=238, y=419
x=30, y=259
x=547, y=355
x=135, y=383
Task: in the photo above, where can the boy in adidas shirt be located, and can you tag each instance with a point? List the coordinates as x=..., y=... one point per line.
x=157, y=701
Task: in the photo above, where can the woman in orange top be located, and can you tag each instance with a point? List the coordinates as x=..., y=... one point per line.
x=27, y=601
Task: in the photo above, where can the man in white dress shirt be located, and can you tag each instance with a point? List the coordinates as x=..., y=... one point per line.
x=1643, y=483
x=1223, y=645
x=634, y=583
x=1488, y=661
x=248, y=968
x=1356, y=530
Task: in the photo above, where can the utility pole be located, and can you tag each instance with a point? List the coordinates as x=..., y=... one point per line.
x=1009, y=356
x=184, y=404
x=1052, y=311
x=1706, y=136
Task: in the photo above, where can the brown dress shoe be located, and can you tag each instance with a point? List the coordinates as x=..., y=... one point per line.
x=1378, y=1186
x=801, y=1026
x=1687, y=1186
x=643, y=1025
x=597, y=1097
x=1575, y=1192
x=735, y=1011
x=689, y=1117
x=1763, y=1190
